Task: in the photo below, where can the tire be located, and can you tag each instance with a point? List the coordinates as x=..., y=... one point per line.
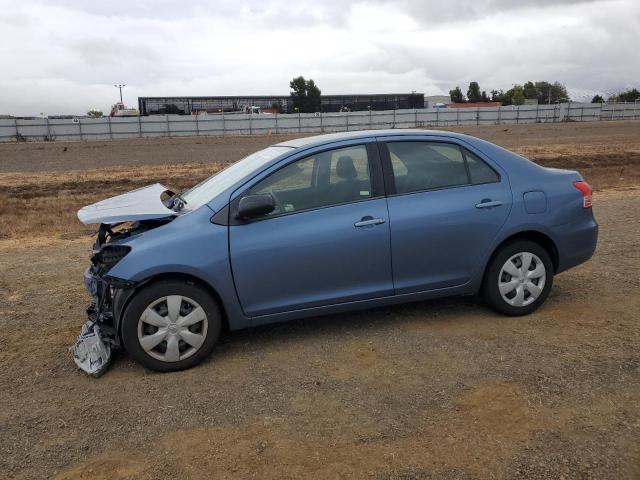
x=158, y=341
x=518, y=293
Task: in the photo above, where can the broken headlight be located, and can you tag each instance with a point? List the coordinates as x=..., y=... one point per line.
x=109, y=255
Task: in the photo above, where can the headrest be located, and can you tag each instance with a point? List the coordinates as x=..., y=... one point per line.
x=345, y=167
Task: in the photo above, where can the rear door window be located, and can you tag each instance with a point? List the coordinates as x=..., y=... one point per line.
x=419, y=166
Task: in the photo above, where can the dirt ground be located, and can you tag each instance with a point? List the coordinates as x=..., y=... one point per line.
x=442, y=389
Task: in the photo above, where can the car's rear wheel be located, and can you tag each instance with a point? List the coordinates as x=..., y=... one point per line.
x=171, y=325
x=518, y=278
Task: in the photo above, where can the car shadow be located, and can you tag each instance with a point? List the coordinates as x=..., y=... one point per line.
x=439, y=312
x=436, y=314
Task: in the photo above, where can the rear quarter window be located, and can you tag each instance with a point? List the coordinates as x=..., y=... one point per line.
x=479, y=171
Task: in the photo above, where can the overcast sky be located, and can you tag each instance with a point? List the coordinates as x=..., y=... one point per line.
x=63, y=56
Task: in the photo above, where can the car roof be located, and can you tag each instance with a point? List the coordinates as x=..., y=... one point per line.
x=336, y=137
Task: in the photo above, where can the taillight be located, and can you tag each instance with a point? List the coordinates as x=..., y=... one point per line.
x=587, y=192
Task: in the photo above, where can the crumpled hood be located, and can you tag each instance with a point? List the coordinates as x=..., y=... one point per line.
x=141, y=204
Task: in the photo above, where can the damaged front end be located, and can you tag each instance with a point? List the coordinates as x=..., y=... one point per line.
x=99, y=336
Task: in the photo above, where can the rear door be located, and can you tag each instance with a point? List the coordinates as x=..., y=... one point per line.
x=446, y=207
x=326, y=243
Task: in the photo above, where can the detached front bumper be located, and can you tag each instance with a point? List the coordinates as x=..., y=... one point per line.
x=91, y=352
x=99, y=335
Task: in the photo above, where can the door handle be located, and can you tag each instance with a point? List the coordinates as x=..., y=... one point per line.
x=488, y=204
x=368, y=221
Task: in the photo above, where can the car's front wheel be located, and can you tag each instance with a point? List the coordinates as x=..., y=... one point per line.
x=518, y=278
x=171, y=325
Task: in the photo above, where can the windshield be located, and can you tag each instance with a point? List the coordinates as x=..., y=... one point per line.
x=218, y=183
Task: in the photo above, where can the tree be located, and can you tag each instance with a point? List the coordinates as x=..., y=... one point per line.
x=473, y=94
x=94, y=113
x=298, y=88
x=305, y=95
x=597, y=99
x=513, y=96
x=552, y=92
x=517, y=95
x=456, y=95
x=630, y=95
x=314, y=96
x=498, y=96
x=544, y=92
x=530, y=91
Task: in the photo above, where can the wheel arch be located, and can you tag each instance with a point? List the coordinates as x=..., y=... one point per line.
x=186, y=277
x=542, y=239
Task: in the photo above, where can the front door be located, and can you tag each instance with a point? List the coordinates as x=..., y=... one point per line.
x=327, y=242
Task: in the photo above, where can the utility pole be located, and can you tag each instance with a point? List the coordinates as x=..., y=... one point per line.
x=120, y=87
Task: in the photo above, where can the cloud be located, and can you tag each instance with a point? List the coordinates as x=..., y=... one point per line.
x=64, y=56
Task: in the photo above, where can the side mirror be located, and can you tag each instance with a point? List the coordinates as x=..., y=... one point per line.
x=253, y=206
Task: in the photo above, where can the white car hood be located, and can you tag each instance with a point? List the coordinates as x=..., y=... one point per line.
x=141, y=204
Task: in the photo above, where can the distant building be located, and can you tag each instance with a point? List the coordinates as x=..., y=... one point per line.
x=430, y=101
x=281, y=103
x=65, y=117
x=119, y=110
x=12, y=117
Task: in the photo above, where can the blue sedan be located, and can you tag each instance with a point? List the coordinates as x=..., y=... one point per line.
x=327, y=224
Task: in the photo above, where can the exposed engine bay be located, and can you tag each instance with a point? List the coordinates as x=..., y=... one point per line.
x=99, y=336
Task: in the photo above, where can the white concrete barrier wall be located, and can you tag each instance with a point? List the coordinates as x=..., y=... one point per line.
x=245, y=124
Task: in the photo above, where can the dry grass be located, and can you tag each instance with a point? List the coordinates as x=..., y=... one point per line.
x=42, y=206
x=45, y=204
x=614, y=165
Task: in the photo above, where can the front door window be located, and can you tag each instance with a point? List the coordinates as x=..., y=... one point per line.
x=324, y=179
